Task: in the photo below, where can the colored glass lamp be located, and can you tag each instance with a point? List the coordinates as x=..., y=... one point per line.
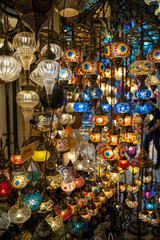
x=16, y=159
x=106, y=107
x=44, y=122
x=143, y=216
x=77, y=224
x=72, y=57
x=151, y=204
x=4, y=222
x=112, y=138
x=123, y=163
x=92, y=209
x=143, y=93
x=129, y=137
x=5, y=187
x=131, y=151
x=33, y=199
x=124, y=121
x=122, y=107
x=85, y=214
x=97, y=202
x=102, y=197
x=25, y=44
x=82, y=199
x=91, y=68
x=100, y=119
x=143, y=108
x=68, y=185
x=94, y=186
x=152, y=81
x=154, y=55
x=20, y=178
x=55, y=221
x=63, y=210
x=20, y=212
x=41, y=156
x=80, y=106
x=131, y=202
x=73, y=204
x=117, y=51
x=147, y=193
x=94, y=93
x=133, y=188
x=46, y=205
x=88, y=192
x=78, y=180
x=154, y=219
x=60, y=143
x=108, y=192
x=34, y=173
x=95, y=135
x=43, y=230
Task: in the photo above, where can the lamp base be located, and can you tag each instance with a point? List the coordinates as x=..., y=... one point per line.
x=134, y=229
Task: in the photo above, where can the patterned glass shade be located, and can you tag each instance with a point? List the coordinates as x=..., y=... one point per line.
x=123, y=163
x=154, y=55
x=24, y=42
x=80, y=107
x=73, y=55
x=143, y=94
x=143, y=109
x=85, y=96
x=61, y=144
x=106, y=107
x=125, y=121
x=79, y=182
x=122, y=107
x=20, y=178
x=95, y=137
x=113, y=140
x=9, y=68
x=128, y=95
x=131, y=202
x=54, y=180
x=94, y=93
x=55, y=222
x=106, y=73
x=108, y=192
x=49, y=69
x=100, y=120
x=33, y=199
x=63, y=212
x=27, y=99
x=5, y=186
x=19, y=213
x=133, y=169
x=54, y=48
x=115, y=177
x=16, y=159
x=77, y=225
x=152, y=80
x=133, y=188
x=65, y=74
x=143, y=216
x=92, y=67
x=129, y=137
x=117, y=50
x=142, y=67
x=106, y=152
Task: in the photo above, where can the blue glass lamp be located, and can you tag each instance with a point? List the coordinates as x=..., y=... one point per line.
x=80, y=106
x=94, y=93
x=128, y=95
x=85, y=96
x=106, y=107
x=143, y=94
x=77, y=224
x=143, y=108
x=122, y=106
x=33, y=199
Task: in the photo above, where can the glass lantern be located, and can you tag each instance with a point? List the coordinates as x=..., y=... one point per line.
x=20, y=178
x=25, y=44
x=27, y=100
x=9, y=68
x=63, y=210
x=65, y=74
x=20, y=212
x=33, y=199
x=131, y=202
x=5, y=186
x=68, y=185
x=77, y=224
x=56, y=50
x=55, y=222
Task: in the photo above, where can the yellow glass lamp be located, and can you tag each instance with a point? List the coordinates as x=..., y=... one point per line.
x=41, y=156
x=54, y=221
x=133, y=169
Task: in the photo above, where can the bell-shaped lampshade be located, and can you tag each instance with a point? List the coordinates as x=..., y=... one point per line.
x=9, y=68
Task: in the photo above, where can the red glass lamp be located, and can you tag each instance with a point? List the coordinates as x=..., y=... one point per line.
x=5, y=186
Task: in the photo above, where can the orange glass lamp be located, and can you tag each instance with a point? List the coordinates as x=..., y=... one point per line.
x=88, y=192
x=16, y=159
x=125, y=121
x=123, y=163
x=92, y=209
x=102, y=197
x=63, y=210
x=85, y=214
x=61, y=143
x=101, y=119
x=108, y=192
x=97, y=202
x=73, y=204
x=95, y=135
x=78, y=181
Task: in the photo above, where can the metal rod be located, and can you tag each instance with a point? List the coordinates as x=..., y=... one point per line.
x=8, y=120
x=15, y=128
